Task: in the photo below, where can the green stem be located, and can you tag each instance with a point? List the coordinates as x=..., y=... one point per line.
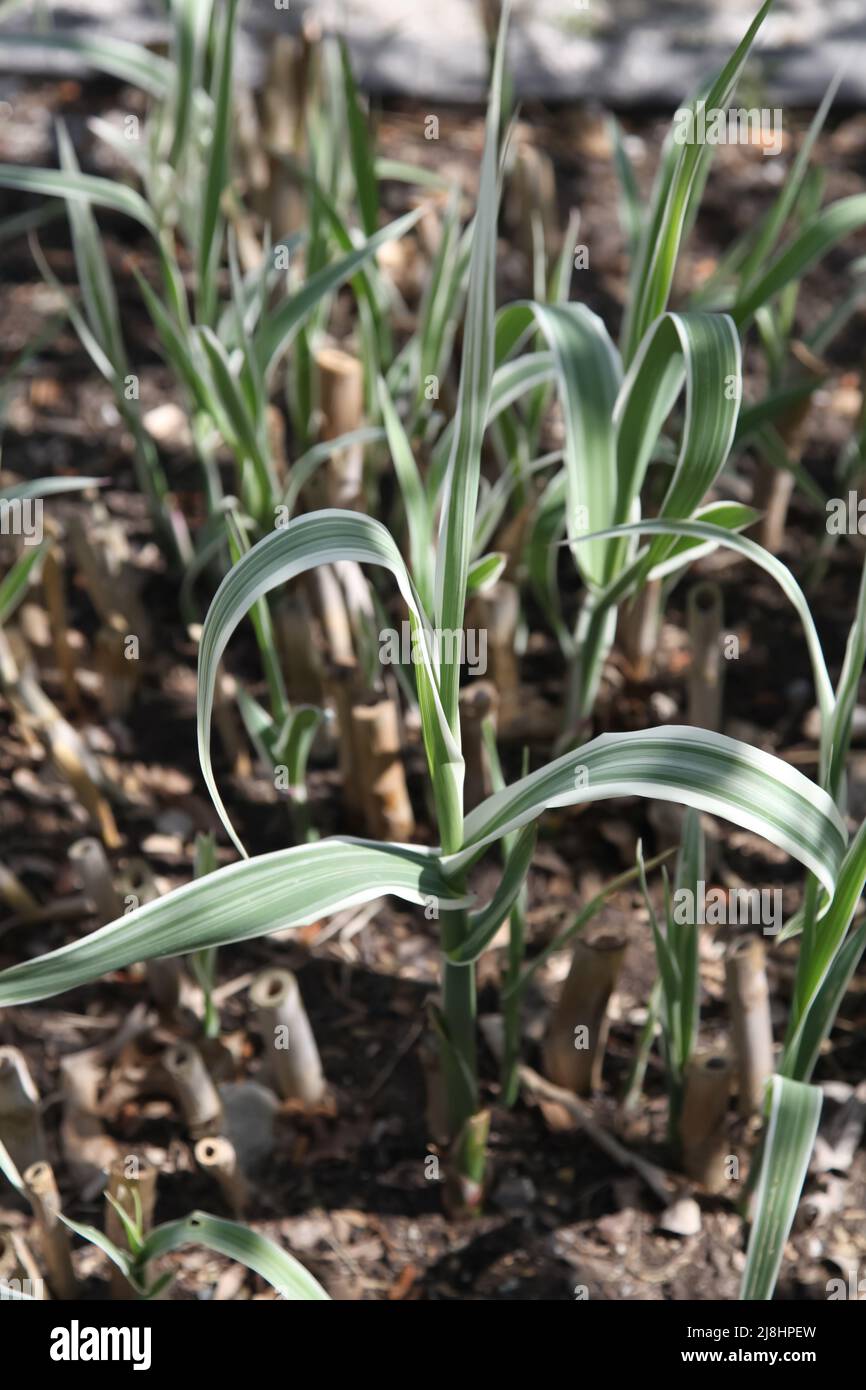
x=299, y=809
x=512, y=996
x=459, y=1052
x=593, y=639
x=634, y=1085
x=263, y=627
x=512, y=1000
x=459, y=1005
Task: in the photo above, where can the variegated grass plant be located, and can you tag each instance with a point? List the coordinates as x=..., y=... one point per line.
x=616, y=403
x=615, y=408
x=238, y=1242
x=225, y=354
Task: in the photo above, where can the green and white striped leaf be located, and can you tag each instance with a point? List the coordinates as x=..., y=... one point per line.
x=846, y=693
x=821, y=943
x=321, y=538
x=701, y=352
x=217, y=173
x=705, y=531
x=485, y=923
x=121, y=1258
x=613, y=425
x=820, y=233
x=361, y=149
x=684, y=938
x=670, y=981
x=49, y=487
x=546, y=526
x=304, y=467
x=234, y=416
x=476, y=374
x=129, y=62
x=87, y=188
x=794, y=1111
x=799, y=1061
x=287, y=746
x=675, y=197
x=589, y=375
x=631, y=208
x=94, y=276
x=419, y=518
x=776, y=219
x=289, y=888
x=191, y=22
x=729, y=516
x=485, y=571
x=281, y=1270
x=693, y=767
x=279, y=327
x=511, y=381
x=440, y=306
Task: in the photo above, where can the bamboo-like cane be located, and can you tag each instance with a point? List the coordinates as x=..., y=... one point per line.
x=87, y=1149
x=18, y=1269
x=334, y=616
x=20, y=1118
x=196, y=1093
x=164, y=974
x=54, y=590
x=774, y=486
x=639, y=630
x=128, y=1177
x=165, y=984
x=704, y=607
x=494, y=614
x=478, y=701
x=703, y=1122
x=381, y=776
x=293, y=628
x=749, y=1002
x=103, y=556
x=119, y=673
x=287, y=89
x=360, y=608
x=91, y=862
x=35, y=628
x=228, y=722
x=342, y=685
x=216, y=1156
x=532, y=191
x=576, y=1040
x=275, y=429
x=17, y=898
x=251, y=155
x=66, y=753
x=10, y=1267
x=30, y=1266
x=69, y=753
x=54, y=1236
x=290, y=1046
x=341, y=399
x=404, y=266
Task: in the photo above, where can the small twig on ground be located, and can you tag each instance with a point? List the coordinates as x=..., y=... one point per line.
x=406, y=1045
x=655, y=1178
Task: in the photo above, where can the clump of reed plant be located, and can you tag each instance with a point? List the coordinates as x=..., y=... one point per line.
x=616, y=406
